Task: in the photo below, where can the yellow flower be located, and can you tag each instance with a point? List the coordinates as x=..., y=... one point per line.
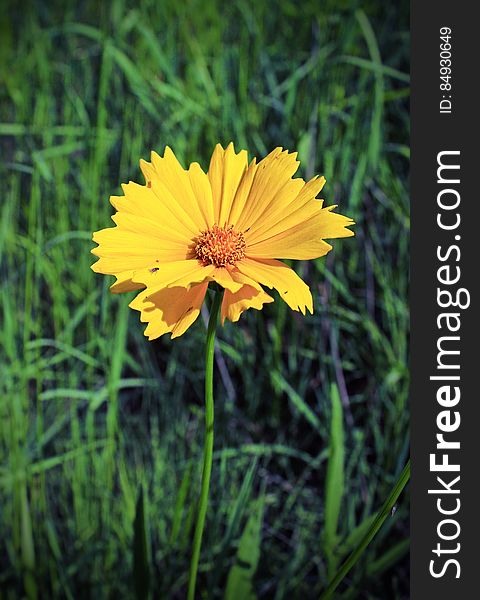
x=185, y=229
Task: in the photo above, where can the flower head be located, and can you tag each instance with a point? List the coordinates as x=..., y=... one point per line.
x=184, y=229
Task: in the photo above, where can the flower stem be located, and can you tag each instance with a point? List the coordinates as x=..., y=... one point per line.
x=372, y=531
x=208, y=443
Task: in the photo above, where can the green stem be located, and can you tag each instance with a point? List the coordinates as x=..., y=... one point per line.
x=373, y=530
x=208, y=443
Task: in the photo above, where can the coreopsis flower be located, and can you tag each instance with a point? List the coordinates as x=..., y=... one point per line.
x=185, y=229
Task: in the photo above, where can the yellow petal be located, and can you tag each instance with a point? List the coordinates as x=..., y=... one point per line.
x=166, y=236
x=124, y=283
x=180, y=273
x=119, y=239
x=123, y=250
x=234, y=304
x=203, y=192
x=141, y=200
x=275, y=274
x=170, y=310
x=294, y=204
x=223, y=277
x=241, y=195
x=305, y=240
x=309, y=191
x=171, y=184
x=272, y=174
x=178, y=182
x=225, y=172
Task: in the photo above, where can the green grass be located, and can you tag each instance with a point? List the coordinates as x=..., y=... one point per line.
x=91, y=413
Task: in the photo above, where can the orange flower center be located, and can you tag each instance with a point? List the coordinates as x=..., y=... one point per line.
x=220, y=246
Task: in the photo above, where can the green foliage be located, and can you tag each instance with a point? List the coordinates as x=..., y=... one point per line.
x=240, y=576
x=390, y=556
x=334, y=482
x=141, y=568
x=90, y=411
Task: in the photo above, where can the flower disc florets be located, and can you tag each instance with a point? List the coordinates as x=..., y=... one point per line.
x=220, y=246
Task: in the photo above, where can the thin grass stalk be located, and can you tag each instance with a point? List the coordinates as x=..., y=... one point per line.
x=371, y=533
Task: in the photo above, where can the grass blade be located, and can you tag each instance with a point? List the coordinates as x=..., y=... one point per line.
x=239, y=582
x=334, y=484
x=368, y=537
x=141, y=569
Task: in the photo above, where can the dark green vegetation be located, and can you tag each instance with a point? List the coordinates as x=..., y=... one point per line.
x=91, y=413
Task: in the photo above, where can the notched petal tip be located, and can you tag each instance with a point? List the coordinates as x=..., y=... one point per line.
x=169, y=154
x=230, y=149
x=194, y=166
x=94, y=266
x=321, y=182
x=114, y=200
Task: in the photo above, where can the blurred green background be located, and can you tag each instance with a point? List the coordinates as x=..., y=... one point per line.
x=91, y=413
